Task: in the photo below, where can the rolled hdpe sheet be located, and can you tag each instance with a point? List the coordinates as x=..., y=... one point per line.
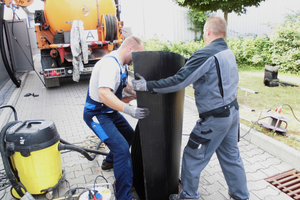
x=156, y=148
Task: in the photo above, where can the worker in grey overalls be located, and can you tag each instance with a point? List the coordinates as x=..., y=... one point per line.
x=101, y=111
x=213, y=72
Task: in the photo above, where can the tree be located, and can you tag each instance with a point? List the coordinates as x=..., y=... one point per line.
x=197, y=19
x=227, y=6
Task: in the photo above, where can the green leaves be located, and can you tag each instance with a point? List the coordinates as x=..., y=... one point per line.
x=197, y=20
x=281, y=48
x=285, y=50
x=250, y=50
x=237, y=6
x=186, y=49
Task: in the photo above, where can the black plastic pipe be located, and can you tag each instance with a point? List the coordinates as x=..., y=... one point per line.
x=3, y=52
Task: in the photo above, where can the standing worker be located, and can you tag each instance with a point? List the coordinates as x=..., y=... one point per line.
x=104, y=101
x=213, y=72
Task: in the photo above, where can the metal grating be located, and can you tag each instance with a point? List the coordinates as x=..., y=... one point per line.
x=288, y=182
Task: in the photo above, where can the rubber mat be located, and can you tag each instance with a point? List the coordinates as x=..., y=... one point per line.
x=288, y=182
x=156, y=148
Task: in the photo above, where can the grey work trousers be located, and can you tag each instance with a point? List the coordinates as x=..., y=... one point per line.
x=211, y=135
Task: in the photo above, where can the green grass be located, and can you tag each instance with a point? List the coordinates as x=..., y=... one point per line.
x=269, y=98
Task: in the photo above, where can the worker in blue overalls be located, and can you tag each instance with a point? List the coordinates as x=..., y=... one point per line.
x=214, y=74
x=101, y=112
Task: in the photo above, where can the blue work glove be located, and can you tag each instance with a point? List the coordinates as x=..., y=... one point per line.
x=140, y=84
x=136, y=112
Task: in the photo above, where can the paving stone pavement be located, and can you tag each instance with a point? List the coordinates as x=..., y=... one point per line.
x=64, y=106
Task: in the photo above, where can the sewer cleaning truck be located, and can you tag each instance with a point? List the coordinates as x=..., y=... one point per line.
x=73, y=35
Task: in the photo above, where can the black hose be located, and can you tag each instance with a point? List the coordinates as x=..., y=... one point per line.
x=15, y=112
x=6, y=163
x=88, y=150
x=97, y=147
x=3, y=52
x=74, y=148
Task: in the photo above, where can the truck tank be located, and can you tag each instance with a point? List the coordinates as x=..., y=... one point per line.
x=102, y=34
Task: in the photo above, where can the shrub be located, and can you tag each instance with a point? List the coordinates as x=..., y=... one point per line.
x=250, y=50
x=186, y=49
x=281, y=48
x=285, y=50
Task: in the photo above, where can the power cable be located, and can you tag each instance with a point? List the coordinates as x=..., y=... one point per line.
x=284, y=134
x=24, y=51
x=96, y=180
x=291, y=110
x=256, y=122
x=4, y=183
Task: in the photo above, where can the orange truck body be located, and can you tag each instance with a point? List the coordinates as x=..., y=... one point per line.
x=102, y=30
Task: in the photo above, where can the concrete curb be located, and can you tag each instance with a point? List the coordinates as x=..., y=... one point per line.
x=6, y=114
x=282, y=151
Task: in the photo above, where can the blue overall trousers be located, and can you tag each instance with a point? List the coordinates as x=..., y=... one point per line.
x=114, y=130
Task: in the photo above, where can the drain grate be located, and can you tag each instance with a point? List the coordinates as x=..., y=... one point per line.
x=288, y=182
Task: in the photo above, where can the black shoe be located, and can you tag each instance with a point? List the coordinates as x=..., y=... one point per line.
x=235, y=197
x=106, y=165
x=174, y=197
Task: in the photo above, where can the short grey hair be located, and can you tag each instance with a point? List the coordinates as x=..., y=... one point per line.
x=217, y=25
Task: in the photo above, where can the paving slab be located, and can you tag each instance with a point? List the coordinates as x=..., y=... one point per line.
x=64, y=106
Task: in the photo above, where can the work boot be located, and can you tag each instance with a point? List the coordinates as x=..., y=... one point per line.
x=235, y=197
x=174, y=197
x=106, y=165
x=177, y=197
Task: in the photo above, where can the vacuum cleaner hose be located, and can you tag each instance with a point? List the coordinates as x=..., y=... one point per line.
x=81, y=150
x=88, y=150
x=74, y=148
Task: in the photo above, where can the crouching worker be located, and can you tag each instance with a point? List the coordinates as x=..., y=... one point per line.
x=104, y=102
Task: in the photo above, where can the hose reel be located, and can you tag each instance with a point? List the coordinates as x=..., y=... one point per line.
x=110, y=25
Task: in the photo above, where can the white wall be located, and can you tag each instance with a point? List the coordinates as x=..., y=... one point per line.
x=168, y=21
x=257, y=19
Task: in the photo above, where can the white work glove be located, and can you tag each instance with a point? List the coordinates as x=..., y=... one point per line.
x=140, y=84
x=134, y=111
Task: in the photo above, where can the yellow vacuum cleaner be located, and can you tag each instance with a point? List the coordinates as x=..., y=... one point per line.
x=31, y=157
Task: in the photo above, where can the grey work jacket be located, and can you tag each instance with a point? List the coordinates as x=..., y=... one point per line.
x=213, y=72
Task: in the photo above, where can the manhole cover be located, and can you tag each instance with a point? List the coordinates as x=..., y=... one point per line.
x=288, y=182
